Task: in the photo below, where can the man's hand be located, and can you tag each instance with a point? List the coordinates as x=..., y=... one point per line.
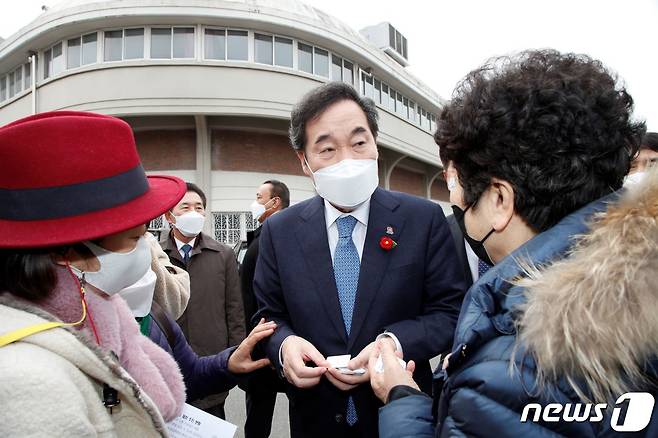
x=240, y=361
x=393, y=374
x=345, y=382
x=295, y=352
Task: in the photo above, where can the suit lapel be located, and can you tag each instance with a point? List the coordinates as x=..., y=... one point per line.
x=171, y=249
x=312, y=237
x=375, y=260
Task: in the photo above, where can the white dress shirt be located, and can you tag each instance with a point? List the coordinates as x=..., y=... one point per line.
x=331, y=214
x=473, y=261
x=180, y=244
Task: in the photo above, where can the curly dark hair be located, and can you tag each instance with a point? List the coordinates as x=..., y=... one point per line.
x=556, y=126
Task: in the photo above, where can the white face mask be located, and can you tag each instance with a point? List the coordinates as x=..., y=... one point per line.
x=258, y=209
x=139, y=296
x=452, y=183
x=189, y=224
x=118, y=269
x=348, y=183
x=633, y=179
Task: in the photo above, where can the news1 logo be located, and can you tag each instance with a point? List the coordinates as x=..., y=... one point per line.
x=638, y=413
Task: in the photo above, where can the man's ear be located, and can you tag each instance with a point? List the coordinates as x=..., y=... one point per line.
x=305, y=169
x=170, y=217
x=501, y=203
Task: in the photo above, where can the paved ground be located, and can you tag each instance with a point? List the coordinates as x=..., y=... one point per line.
x=235, y=412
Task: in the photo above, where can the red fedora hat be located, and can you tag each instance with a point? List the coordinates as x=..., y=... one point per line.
x=70, y=176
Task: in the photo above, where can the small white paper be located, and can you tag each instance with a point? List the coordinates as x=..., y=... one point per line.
x=339, y=361
x=195, y=423
x=379, y=365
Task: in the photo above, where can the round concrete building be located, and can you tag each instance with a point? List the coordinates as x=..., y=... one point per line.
x=208, y=87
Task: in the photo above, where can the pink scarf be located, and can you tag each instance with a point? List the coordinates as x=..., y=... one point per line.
x=152, y=368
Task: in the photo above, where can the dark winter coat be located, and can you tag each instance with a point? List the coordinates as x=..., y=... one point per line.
x=484, y=396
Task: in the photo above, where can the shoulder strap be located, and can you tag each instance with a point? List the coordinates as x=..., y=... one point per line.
x=160, y=317
x=24, y=332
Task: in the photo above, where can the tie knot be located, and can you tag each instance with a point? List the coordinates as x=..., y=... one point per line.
x=345, y=226
x=186, y=248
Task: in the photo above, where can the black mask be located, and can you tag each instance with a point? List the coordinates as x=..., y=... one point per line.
x=476, y=245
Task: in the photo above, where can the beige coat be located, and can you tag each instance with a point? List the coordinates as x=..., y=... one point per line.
x=51, y=384
x=172, y=287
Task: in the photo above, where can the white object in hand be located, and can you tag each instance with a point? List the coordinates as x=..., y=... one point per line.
x=379, y=365
x=339, y=361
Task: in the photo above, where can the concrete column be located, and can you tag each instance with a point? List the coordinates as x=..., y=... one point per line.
x=389, y=170
x=430, y=180
x=203, y=167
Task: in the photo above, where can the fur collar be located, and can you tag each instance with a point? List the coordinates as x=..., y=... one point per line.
x=593, y=316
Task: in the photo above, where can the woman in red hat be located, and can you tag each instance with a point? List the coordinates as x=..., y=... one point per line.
x=73, y=201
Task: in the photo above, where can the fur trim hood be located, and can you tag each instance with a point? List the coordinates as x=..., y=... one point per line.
x=593, y=316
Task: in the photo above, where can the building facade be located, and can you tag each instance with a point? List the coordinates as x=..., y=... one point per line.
x=208, y=87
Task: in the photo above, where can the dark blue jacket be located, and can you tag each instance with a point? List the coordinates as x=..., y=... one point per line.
x=413, y=290
x=203, y=376
x=482, y=397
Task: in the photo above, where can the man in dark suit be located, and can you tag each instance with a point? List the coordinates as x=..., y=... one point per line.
x=262, y=386
x=351, y=265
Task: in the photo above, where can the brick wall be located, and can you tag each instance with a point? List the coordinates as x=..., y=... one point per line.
x=403, y=180
x=440, y=190
x=167, y=149
x=253, y=152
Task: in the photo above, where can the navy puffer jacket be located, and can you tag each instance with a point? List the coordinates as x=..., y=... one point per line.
x=482, y=397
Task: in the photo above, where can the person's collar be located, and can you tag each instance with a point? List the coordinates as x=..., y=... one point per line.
x=361, y=213
x=180, y=244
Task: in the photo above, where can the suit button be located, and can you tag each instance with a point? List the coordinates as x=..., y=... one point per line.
x=339, y=418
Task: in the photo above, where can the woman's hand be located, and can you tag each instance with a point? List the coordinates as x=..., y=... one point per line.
x=240, y=361
x=393, y=374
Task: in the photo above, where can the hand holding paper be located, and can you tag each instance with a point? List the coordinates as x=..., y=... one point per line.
x=391, y=374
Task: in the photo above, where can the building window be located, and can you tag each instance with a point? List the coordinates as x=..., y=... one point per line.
x=183, y=46
x=336, y=68
x=3, y=88
x=305, y=57
x=263, y=49
x=58, y=59
x=398, y=106
x=384, y=95
x=348, y=72
x=232, y=227
x=378, y=91
x=391, y=99
x=12, y=89
x=113, y=45
x=215, y=44
x=133, y=43
x=161, y=43
x=412, y=111
x=18, y=74
x=28, y=76
x=367, y=85
x=321, y=62
x=238, y=45
x=89, y=48
x=283, y=52
x=47, y=63
x=73, y=52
